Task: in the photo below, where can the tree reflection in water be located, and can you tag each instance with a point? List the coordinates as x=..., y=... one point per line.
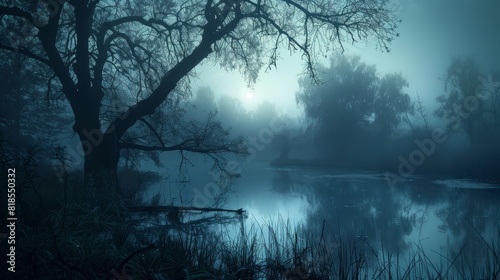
x=417, y=216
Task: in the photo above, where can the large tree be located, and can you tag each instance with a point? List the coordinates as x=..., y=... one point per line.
x=346, y=98
x=391, y=104
x=471, y=102
x=351, y=102
x=137, y=53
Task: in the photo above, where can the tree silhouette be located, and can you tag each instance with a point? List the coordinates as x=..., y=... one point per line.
x=139, y=55
x=471, y=107
x=352, y=104
x=340, y=108
x=391, y=103
x=471, y=102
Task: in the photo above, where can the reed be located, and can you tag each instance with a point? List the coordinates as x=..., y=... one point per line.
x=64, y=234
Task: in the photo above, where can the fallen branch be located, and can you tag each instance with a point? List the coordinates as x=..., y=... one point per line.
x=164, y=208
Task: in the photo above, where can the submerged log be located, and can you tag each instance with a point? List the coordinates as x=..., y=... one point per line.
x=174, y=213
x=165, y=208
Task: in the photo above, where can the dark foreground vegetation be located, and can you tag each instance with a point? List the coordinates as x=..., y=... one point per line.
x=116, y=75
x=66, y=231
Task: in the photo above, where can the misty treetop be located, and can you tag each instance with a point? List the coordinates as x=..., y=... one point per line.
x=471, y=103
x=118, y=63
x=360, y=119
x=105, y=87
x=354, y=102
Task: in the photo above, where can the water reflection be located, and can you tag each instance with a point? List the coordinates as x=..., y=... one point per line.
x=417, y=215
x=444, y=221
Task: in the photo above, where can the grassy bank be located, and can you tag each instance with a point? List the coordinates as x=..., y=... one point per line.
x=64, y=233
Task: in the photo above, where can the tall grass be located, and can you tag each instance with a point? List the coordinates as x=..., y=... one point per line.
x=278, y=249
x=64, y=234
x=81, y=242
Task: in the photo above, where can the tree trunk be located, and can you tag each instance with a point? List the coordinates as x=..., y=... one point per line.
x=101, y=152
x=101, y=161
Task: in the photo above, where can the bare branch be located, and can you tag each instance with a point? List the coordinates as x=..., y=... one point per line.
x=154, y=131
x=17, y=12
x=27, y=53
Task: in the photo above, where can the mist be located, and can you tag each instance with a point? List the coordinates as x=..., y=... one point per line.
x=250, y=139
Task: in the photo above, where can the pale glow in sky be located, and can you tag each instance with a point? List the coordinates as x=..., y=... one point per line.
x=249, y=95
x=432, y=32
x=276, y=85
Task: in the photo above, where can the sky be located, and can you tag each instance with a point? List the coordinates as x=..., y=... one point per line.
x=432, y=32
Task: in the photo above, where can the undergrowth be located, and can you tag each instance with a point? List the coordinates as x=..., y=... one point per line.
x=64, y=233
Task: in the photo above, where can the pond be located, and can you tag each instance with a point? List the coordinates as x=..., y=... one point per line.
x=441, y=218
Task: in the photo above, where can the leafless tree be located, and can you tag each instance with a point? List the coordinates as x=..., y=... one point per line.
x=138, y=56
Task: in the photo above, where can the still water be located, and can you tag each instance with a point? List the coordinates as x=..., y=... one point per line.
x=438, y=215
